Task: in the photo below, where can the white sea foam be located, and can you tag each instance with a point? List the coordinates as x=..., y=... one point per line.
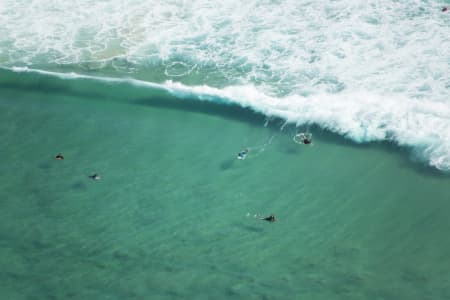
x=370, y=70
x=363, y=117
x=282, y=47
x=419, y=124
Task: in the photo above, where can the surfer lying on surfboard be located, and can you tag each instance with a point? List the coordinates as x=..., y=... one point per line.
x=95, y=177
x=270, y=218
x=242, y=154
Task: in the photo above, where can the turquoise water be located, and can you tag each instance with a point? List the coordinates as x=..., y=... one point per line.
x=366, y=70
x=159, y=97
x=172, y=216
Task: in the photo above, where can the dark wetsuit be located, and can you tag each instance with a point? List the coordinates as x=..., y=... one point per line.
x=271, y=218
x=243, y=154
x=94, y=177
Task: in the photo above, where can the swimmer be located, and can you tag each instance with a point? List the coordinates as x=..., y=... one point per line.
x=303, y=138
x=270, y=218
x=306, y=138
x=59, y=156
x=242, y=154
x=444, y=9
x=95, y=177
x=307, y=141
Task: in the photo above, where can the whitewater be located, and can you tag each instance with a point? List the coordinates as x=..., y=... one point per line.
x=368, y=70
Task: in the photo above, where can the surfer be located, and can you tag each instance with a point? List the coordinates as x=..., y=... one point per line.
x=242, y=154
x=307, y=140
x=59, y=156
x=303, y=138
x=270, y=218
x=95, y=177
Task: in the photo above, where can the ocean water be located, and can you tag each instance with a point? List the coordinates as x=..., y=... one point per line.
x=158, y=98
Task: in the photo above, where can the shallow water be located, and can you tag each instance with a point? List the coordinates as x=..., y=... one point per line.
x=172, y=216
x=366, y=70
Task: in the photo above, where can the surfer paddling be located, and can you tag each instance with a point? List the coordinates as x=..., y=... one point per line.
x=270, y=218
x=243, y=154
x=95, y=177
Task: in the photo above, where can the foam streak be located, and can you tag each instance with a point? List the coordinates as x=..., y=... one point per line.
x=363, y=117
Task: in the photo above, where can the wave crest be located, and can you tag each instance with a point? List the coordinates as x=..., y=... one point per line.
x=421, y=125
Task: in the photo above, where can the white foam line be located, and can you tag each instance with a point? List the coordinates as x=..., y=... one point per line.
x=73, y=75
x=360, y=116
x=292, y=45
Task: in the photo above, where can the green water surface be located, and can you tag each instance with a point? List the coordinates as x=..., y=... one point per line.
x=172, y=216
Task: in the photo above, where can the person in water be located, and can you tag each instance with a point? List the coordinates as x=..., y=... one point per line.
x=95, y=177
x=59, y=156
x=242, y=154
x=444, y=9
x=270, y=218
x=305, y=138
